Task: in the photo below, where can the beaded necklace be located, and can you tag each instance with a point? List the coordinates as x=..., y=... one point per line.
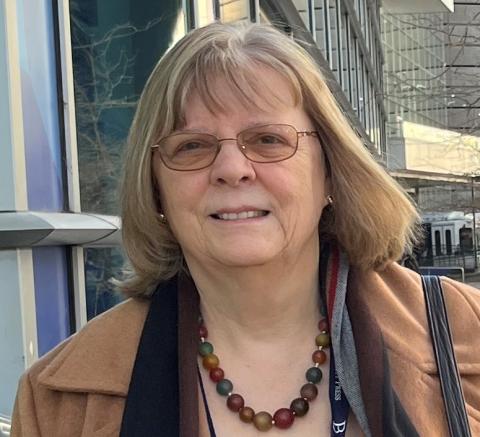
x=264, y=421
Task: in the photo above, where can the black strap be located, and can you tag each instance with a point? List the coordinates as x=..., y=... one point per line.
x=211, y=428
x=445, y=357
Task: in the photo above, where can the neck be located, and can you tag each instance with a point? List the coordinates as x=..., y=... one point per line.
x=277, y=302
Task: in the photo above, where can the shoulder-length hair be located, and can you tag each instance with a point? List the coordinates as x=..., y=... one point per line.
x=372, y=219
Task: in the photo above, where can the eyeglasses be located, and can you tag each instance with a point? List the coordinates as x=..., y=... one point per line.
x=188, y=151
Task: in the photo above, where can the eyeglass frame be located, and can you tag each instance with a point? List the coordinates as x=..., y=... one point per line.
x=241, y=147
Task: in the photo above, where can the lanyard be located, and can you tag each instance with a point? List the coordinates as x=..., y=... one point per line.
x=338, y=402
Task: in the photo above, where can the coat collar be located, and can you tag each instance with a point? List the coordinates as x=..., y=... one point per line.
x=100, y=357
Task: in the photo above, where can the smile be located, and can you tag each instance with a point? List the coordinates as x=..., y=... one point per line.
x=240, y=216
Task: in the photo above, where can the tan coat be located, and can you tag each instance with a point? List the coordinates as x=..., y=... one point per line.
x=79, y=388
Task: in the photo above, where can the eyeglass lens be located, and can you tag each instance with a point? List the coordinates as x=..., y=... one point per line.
x=188, y=151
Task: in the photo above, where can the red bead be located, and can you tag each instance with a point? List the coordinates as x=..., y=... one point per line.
x=202, y=331
x=323, y=325
x=319, y=357
x=235, y=402
x=217, y=374
x=283, y=418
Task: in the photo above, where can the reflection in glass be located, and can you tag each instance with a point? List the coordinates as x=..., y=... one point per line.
x=320, y=27
x=115, y=44
x=101, y=266
x=234, y=10
x=204, y=12
x=333, y=40
x=302, y=6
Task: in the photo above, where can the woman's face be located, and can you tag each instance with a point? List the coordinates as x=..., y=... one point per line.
x=292, y=192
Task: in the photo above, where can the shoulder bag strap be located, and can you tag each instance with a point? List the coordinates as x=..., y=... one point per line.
x=445, y=357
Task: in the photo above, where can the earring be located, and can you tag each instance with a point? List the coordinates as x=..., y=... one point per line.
x=162, y=217
x=330, y=199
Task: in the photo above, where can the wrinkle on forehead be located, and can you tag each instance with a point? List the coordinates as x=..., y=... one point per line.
x=254, y=88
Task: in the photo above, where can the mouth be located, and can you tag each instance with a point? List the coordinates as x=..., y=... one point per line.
x=244, y=215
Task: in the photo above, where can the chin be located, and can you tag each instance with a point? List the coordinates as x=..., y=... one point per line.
x=242, y=256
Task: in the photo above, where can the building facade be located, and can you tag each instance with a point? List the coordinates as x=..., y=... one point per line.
x=432, y=74
x=72, y=72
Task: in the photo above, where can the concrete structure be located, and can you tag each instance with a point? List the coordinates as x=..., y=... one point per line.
x=463, y=68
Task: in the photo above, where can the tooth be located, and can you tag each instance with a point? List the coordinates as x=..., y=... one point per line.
x=243, y=215
x=232, y=216
x=250, y=214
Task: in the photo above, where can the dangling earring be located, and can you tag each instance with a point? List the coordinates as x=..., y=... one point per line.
x=330, y=200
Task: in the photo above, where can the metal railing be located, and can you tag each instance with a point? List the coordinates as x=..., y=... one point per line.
x=449, y=256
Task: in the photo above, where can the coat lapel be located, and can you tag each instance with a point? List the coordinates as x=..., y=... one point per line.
x=386, y=415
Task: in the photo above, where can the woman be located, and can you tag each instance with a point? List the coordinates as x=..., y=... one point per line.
x=250, y=208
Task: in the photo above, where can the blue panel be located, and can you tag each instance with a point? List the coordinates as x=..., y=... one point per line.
x=51, y=296
x=40, y=110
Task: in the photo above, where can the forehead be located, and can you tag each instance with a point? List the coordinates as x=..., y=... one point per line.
x=265, y=93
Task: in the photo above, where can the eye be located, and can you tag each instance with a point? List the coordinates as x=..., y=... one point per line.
x=266, y=139
x=270, y=139
x=194, y=146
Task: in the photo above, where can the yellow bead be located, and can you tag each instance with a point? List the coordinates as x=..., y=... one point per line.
x=322, y=339
x=210, y=361
x=263, y=421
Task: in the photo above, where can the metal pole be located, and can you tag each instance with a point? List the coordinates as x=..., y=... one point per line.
x=474, y=226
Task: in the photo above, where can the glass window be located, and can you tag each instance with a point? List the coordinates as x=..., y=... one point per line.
x=360, y=83
x=320, y=26
x=448, y=241
x=101, y=266
x=334, y=47
x=204, y=12
x=302, y=7
x=353, y=71
x=438, y=244
x=115, y=45
x=234, y=10
x=345, y=48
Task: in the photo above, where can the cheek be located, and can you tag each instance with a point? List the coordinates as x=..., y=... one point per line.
x=311, y=186
x=180, y=195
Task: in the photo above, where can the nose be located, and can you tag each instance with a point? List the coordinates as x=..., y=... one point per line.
x=231, y=167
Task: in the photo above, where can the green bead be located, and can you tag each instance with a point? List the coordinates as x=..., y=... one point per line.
x=314, y=375
x=322, y=339
x=224, y=387
x=205, y=348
